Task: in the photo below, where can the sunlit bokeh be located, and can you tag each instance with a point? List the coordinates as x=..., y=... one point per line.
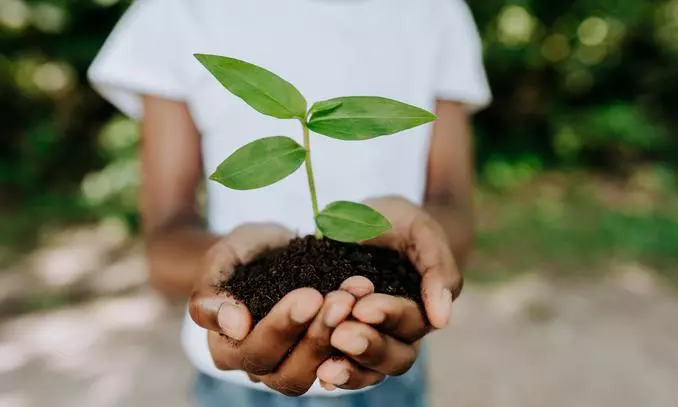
x=53, y=77
x=49, y=17
x=556, y=47
x=593, y=31
x=666, y=27
x=106, y=3
x=14, y=14
x=515, y=25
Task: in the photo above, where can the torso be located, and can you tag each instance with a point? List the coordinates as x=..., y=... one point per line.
x=355, y=47
x=326, y=48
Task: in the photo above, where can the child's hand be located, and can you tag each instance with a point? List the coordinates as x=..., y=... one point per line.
x=383, y=339
x=263, y=353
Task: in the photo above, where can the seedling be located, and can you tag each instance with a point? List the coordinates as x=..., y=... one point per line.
x=268, y=160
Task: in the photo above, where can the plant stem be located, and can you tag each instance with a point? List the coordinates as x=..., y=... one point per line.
x=309, y=176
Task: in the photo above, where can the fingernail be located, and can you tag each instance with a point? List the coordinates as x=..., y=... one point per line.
x=445, y=305
x=372, y=316
x=231, y=321
x=302, y=313
x=334, y=315
x=355, y=345
x=358, y=286
x=327, y=386
x=340, y=378
x=337, y=374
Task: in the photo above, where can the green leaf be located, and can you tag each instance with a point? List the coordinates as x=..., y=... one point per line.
x=351, y=222
x=324, y=106
x=265, y=91
x=366, y=117
x=260, y=163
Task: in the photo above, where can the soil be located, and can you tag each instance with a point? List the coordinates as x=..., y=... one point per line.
x=321, y=264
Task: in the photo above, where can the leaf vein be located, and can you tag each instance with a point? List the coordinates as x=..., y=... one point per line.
x=244, y=78
x=335, y=117
x=264, y=161
x=330, y=215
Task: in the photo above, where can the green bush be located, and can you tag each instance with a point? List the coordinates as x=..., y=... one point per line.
x=586, y=83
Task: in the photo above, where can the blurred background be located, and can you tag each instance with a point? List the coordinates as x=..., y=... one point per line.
x=572, y=300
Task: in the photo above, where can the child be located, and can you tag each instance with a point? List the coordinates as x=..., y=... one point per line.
x=424, y=52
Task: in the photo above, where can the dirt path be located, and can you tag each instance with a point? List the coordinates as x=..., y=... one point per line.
x=525, y=343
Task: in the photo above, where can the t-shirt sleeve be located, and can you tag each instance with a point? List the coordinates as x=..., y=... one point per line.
x=147, y=53
x=461, y=75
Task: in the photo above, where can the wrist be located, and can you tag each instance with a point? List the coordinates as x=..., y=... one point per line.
x=457, y=224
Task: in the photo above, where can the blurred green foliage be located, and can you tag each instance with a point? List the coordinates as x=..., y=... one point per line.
x=577, y=84
x=580, y=227
x=587, y=83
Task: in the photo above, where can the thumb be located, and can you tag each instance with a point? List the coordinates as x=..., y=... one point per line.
x=441, y=281
x=437, y=299
x=220, y=313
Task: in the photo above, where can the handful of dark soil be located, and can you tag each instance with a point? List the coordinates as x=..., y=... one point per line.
x=323, y=265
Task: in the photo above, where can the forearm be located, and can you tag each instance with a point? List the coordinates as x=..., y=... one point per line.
x=449, y=188
x=456, y=218
x=175, y=253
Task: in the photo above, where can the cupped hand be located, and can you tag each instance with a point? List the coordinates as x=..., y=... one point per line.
x=302, y=320
x=383, y=339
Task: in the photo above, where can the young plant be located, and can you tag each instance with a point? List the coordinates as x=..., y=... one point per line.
x=268, y=160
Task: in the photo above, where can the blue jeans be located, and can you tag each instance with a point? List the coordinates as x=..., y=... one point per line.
x=408, y=390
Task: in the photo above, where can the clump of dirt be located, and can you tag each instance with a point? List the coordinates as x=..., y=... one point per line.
x=321, y=264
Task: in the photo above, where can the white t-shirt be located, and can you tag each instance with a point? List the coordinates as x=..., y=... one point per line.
x=410, y=50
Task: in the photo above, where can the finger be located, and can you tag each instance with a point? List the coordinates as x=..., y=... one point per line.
x=327, y=386
x=219, y=311
x=340, y=372
x=272, y=338
x=441, y=284
x=205, y=301
x=438, y=297
x=373, y=350
x=398, y=317
x=224, y=351
x=424, y=241
x=338, y=306
x=298, y=371
x=357, y=286
x=440, y=276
